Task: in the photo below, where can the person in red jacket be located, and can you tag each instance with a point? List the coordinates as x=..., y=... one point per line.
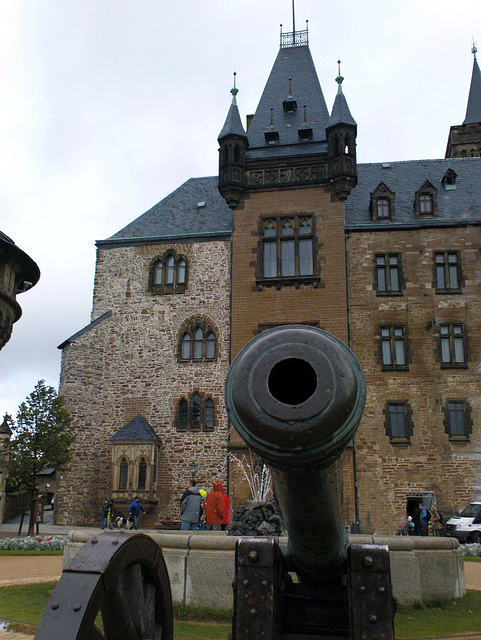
x=214, y=507
x=225, y=519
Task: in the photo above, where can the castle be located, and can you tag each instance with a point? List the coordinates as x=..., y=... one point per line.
x=384, y=256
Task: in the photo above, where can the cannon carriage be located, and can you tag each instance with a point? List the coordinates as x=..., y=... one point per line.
x=296, y=395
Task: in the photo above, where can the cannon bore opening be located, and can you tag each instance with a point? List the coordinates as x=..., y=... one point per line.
x=292, y=381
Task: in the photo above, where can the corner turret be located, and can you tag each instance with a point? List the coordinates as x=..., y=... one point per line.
x=233, y=145
x=341, y=132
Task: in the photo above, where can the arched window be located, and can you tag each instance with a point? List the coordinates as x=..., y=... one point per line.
x=123, y=475
x=197, y=341
x=183, y=414
x=142, y=474
x=169, y=274
x=209, y=413
x=181, y=272
x=186, y=343
x=158, y=273
x=196, y=411
x=169, y=268
x=210, y=346
x=225, y=156
x=237, y=154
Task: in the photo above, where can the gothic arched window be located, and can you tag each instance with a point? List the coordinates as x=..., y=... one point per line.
x=198, y=341
x=196, y=413
x=168, y=274
x=142, y=474
x=123, y=475
x=183, y=414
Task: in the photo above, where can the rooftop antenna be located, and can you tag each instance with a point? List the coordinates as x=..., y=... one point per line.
x=234, y=91
x=339, y=78
x=474, y=49
x=293, y=19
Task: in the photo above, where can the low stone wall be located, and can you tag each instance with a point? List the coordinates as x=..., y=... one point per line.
x=201, y=565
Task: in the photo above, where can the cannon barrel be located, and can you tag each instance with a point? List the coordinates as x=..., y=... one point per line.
x=296, y=394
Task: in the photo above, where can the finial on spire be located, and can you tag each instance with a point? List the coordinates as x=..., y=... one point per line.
x=474, y=48
x=234, y=90
x=339, y=78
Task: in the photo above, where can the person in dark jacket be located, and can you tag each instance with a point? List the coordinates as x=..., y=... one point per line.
x=190, y=507
x=108, y=514
x=134, y=510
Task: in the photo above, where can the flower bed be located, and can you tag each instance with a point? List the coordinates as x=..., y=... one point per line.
x=472, y=549
x=35, y=543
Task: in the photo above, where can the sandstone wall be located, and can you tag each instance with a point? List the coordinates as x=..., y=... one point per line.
x=389, y=472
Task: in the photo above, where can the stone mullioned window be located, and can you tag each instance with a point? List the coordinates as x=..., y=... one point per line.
x=168, y=273
x=398, y=422
x=458, y=421
x=287, y=250
x=195, y=412
x=197, y=341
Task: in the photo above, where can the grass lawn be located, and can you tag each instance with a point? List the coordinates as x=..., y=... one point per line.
x=26, y=603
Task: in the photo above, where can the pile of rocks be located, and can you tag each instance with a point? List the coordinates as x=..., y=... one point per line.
x=255, y=518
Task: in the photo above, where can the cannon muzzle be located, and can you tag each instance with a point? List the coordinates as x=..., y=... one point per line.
x=296, y=394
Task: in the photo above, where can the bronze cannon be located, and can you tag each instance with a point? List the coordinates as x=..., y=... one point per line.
x=296, y=394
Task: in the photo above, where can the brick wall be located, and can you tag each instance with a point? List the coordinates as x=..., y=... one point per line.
x=388, y=472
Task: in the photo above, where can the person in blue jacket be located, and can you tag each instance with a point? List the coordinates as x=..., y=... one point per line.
x=135, y=509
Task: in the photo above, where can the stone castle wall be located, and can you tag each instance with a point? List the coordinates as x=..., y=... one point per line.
x=128, y=364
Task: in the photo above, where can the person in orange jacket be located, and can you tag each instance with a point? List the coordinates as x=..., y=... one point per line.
x=225, y=519
x=214, y=507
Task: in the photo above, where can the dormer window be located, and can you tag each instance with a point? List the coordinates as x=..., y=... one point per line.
x=383, y=209
x=290, y=105
x=425, y=200
x=382, y=203
x=305, y=135
x=272, y=137
x=425, y=204
x=449, y=179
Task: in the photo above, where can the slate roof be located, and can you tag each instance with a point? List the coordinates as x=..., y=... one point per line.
x=179, y=216
x=295, y=63
x=233, y=122
x=340, y=111
x=169, y=219
x=461, y=205
x=473, y=110
x=137, y=429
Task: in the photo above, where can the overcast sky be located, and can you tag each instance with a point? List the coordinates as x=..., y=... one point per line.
x=108, y=105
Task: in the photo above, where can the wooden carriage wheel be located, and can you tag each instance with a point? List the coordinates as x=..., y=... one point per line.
x=119, y=576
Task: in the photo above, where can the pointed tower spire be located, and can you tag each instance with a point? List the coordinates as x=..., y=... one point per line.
x=465, y=140
x=232, y=152
x=473, y=110
x=341, y=132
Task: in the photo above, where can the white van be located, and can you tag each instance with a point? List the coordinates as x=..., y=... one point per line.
x=466, y=527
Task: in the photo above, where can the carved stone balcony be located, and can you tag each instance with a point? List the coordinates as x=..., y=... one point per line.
x=18, y=273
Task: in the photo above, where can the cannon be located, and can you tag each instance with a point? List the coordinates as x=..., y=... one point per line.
x=296, y=394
